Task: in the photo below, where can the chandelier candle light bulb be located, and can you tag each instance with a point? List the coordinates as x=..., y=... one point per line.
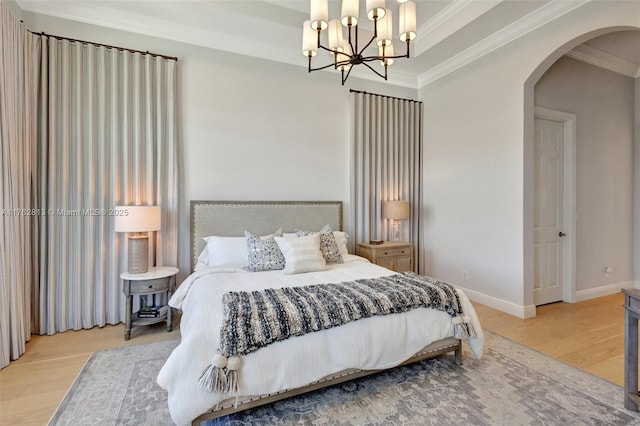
x=347, y=53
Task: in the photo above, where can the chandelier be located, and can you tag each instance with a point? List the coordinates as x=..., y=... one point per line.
x=346, y=52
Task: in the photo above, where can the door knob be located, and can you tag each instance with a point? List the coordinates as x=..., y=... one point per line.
x=561, y=234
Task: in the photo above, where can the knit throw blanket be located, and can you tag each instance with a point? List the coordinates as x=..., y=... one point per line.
x=253, y=320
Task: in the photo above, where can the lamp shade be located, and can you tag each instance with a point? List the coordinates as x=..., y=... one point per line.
x=137, y=218
x=396, y=209
x=375, y=9
x=350, y=11
x=336, y=38
x=386, y=51
x=385, y=30
x=319, y=14
x=407, y=21
x=309, y=40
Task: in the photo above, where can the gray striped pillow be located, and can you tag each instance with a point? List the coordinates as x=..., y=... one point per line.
x=328, y=245
x=301, y=254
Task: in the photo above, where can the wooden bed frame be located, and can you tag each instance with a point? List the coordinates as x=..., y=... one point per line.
x=231, y=218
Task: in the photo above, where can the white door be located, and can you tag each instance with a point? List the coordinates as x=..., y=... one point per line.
x=548, y=208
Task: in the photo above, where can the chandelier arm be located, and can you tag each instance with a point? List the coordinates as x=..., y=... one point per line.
x=371, y=68
x=356, y=57
x=353, y=49
x=356, y=49
x=344, y=78
x=326, y=48
x=333, y=52
x=327, y=66
x=375, y=34
x=373, y=58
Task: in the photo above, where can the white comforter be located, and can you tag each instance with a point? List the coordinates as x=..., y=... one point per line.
x=371, y=343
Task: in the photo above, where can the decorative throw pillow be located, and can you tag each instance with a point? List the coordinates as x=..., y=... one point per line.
x=342, y=239
x=302, y=254
x=263, y=253
x=328, y=245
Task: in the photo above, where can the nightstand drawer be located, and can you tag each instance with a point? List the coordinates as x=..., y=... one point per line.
x=393, y=252
x=150, y=286
x=397, y=256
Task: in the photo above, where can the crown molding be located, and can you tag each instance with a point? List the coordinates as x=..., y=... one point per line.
x=604, y=60
x=513, y=31
x=454, y=16
x=219, y=38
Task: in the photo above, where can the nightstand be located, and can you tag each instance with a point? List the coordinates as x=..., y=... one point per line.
x=157, y=280
x=394, y=255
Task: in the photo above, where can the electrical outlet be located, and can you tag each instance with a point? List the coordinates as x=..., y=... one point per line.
x=608, y=270
x=465, y=275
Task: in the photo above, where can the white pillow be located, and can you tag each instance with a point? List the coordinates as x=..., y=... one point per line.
x=301, y=254
x=226, y=251
x=341, y=241
x=203, y=259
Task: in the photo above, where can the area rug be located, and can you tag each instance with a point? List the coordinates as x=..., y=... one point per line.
x=510, y=385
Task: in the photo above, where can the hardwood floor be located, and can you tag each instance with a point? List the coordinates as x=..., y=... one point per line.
x=588, y=335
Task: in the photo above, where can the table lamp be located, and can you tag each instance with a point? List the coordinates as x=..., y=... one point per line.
x=137, y=220
x=396, y=211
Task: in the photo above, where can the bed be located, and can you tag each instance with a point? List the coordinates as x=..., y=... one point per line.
x=303, y=362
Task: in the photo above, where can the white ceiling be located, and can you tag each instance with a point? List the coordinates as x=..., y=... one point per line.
x=451, y=33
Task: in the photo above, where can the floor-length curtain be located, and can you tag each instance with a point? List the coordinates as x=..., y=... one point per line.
x=107, y=136
x=16, y=150
x=386, y=165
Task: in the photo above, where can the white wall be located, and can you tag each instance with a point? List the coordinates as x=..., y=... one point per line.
x=251, y=129
x=636, y=185
x=478, y=158
x=603, y=103
x=475, y=162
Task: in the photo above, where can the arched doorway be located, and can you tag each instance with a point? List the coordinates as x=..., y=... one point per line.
x=569, y=244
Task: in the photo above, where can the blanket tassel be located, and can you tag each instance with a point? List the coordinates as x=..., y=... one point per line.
x=213, y=379
x=221, y=375
x=233, y=366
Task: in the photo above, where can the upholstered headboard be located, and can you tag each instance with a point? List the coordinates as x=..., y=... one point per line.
x=231, y=218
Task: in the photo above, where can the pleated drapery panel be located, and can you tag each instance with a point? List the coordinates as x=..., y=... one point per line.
x=16, y=208
x=107, y=137
x=386, y=164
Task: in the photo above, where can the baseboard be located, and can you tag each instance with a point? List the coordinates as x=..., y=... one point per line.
x=605, y=290
x=514, y=309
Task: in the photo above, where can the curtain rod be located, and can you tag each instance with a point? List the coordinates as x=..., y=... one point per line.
x=384, y=96
x=173, y=58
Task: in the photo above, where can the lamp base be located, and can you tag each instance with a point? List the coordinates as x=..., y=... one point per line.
x=138, y=259
x=395, y=230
